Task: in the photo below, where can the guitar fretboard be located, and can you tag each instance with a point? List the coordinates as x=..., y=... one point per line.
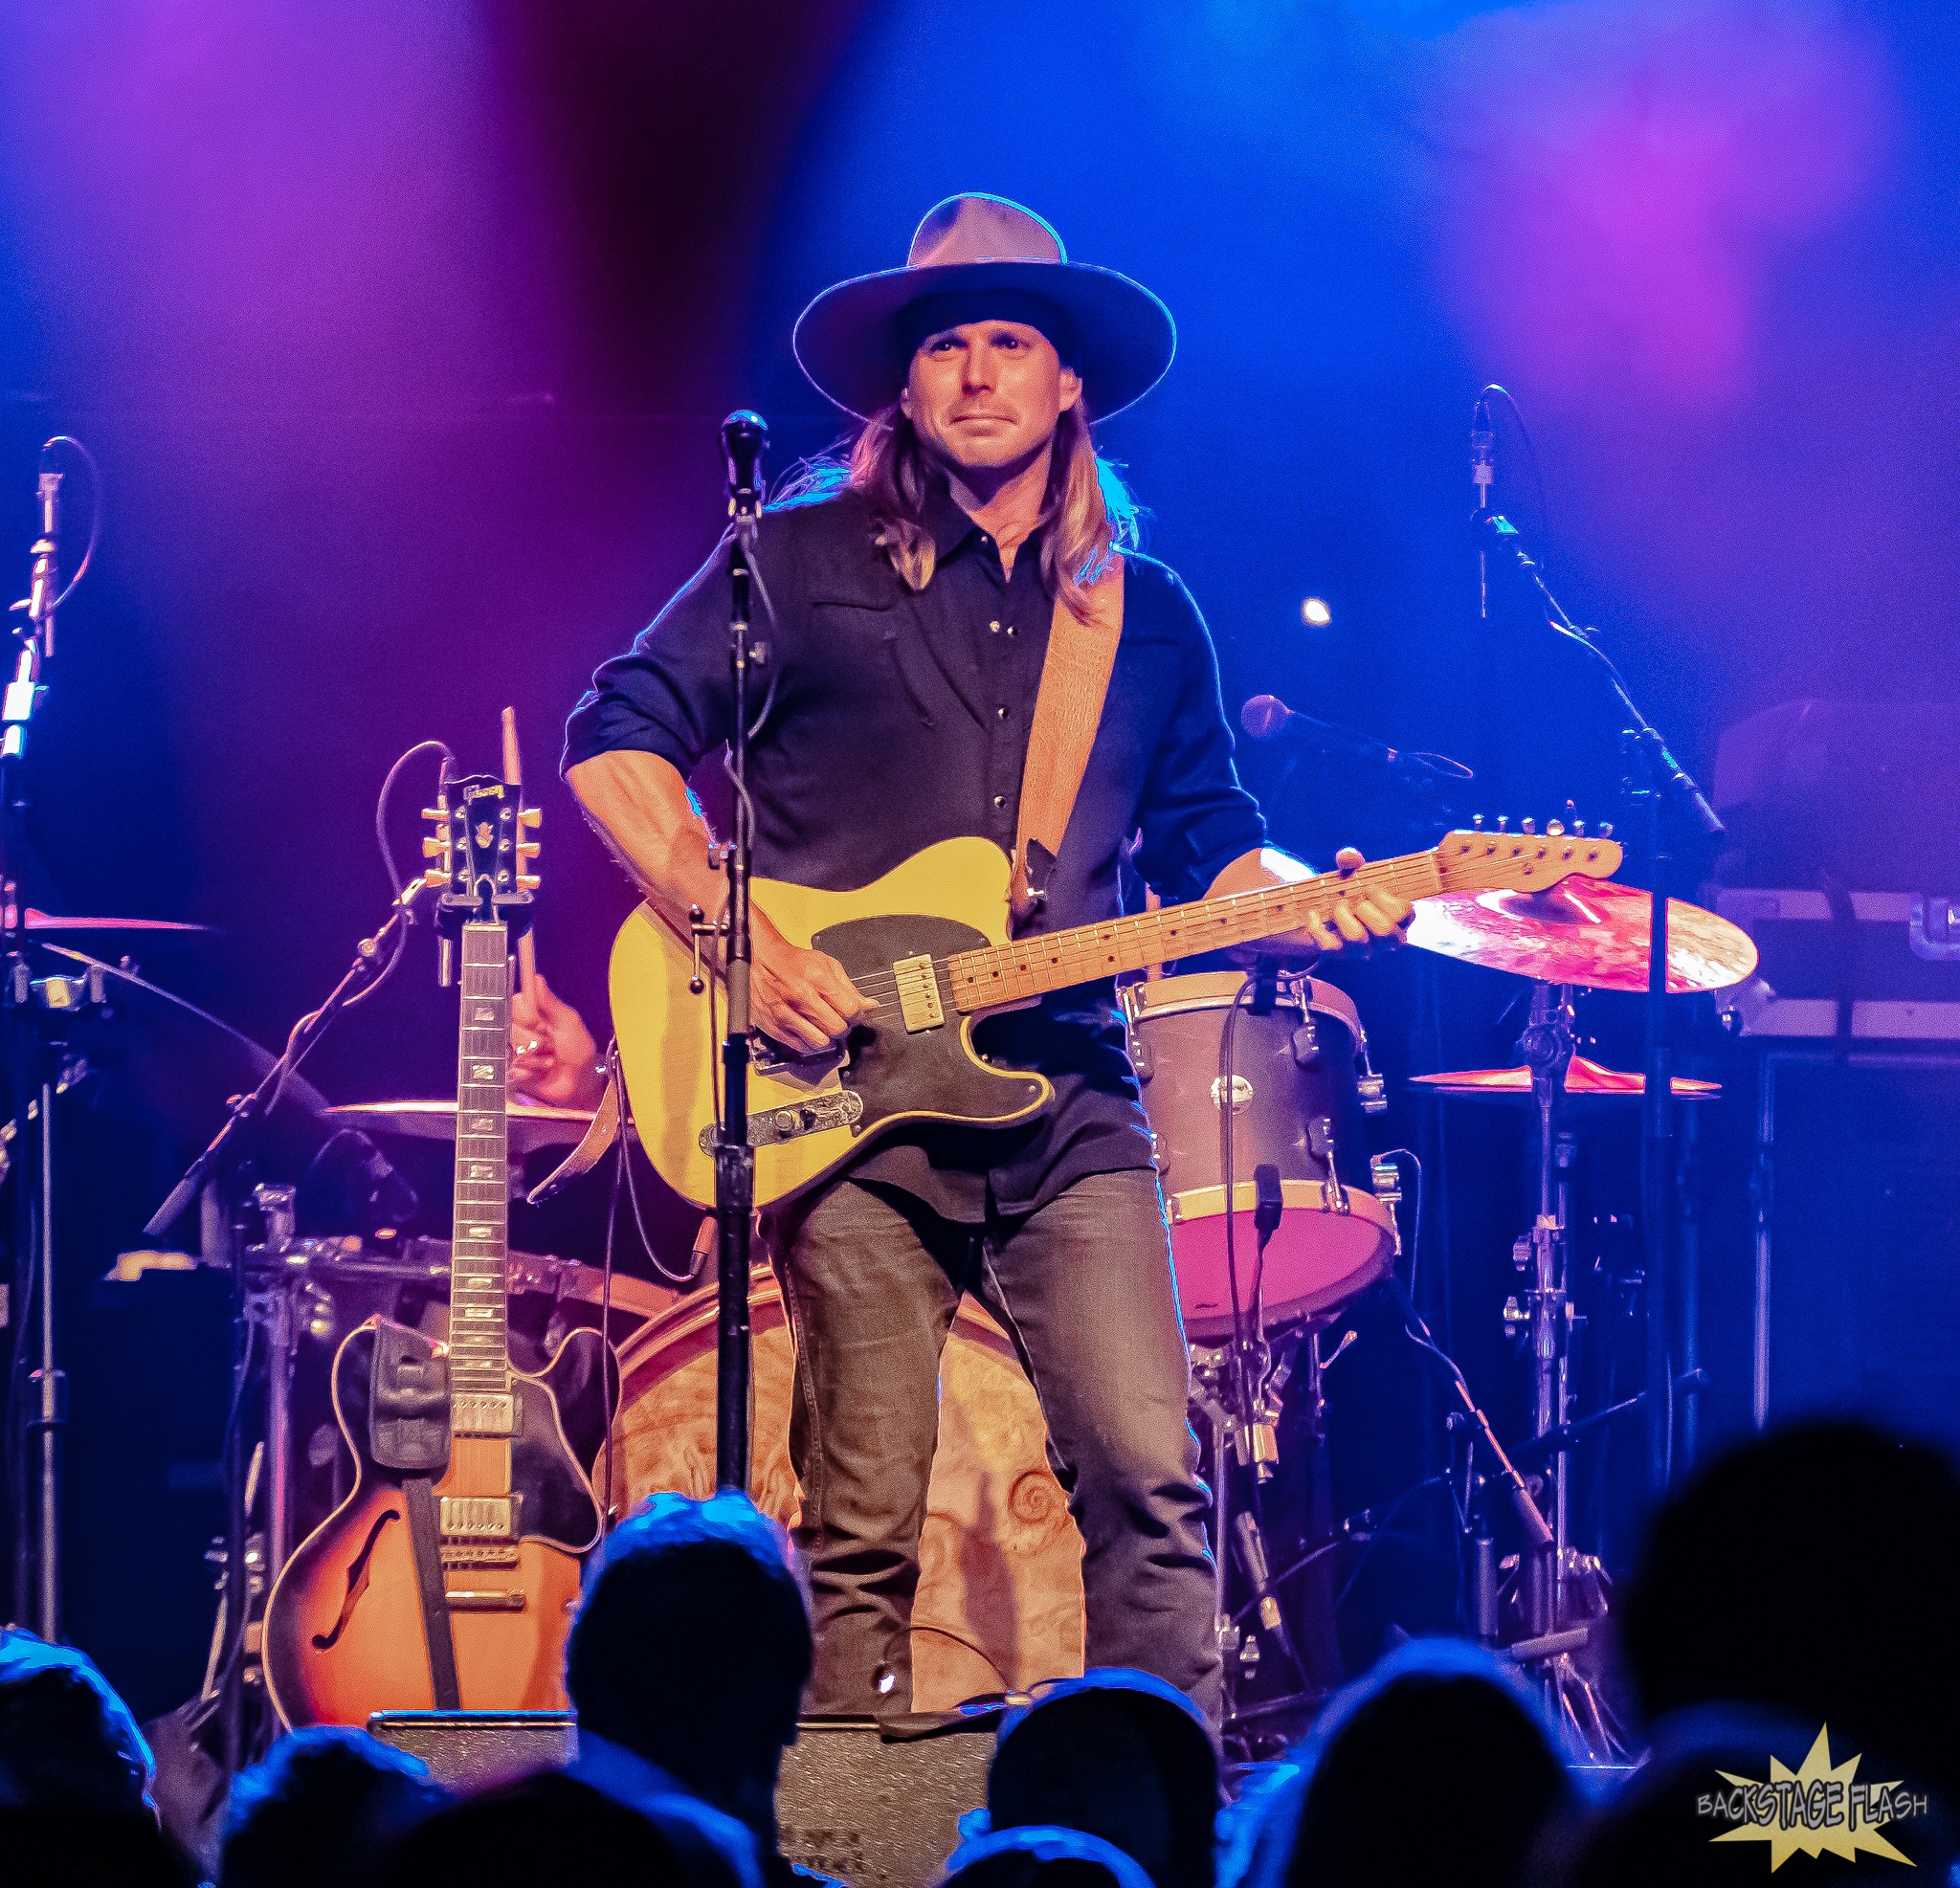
x=479, y=1254
x=1032, y=966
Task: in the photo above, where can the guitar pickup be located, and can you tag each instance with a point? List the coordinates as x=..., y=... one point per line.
x=474, y=1414
x=477, y=1517
x=917, y=994
x=836, y=1107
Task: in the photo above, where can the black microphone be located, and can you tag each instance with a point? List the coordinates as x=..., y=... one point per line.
x=744, y=436
x=1265, y=718
x=1483, y=474
x=47, y=556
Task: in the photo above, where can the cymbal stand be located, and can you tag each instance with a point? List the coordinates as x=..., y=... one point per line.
x=1546, y=1320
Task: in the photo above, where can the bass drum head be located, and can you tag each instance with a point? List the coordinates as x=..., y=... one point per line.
x=999, y=1606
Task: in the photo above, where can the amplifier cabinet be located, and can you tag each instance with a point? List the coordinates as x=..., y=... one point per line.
x=1857, y=1223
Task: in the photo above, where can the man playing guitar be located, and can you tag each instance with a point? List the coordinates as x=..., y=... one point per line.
x=911, y=599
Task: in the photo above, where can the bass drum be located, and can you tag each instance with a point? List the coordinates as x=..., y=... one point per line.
x=999, y=1606
x=1299, y=1103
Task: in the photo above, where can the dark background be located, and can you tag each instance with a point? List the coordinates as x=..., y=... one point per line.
x=401, y=333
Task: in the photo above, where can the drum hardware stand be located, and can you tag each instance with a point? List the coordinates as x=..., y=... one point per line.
x=744, y=436
x=32, y=1052
x=1657, y=783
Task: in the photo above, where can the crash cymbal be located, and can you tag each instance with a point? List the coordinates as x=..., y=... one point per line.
x=530, y=1125
x=151, y=1054
x=43, y=925
x=1592, y=932
x=1586, y=1081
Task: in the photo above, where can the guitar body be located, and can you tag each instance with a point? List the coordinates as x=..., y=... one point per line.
x=929, y=942
x=344, y=1627
x=950, y=897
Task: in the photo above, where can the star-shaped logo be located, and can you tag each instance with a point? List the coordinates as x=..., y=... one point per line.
x=1814, y=1810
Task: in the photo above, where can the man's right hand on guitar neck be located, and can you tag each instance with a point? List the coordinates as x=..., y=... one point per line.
x=643, y=810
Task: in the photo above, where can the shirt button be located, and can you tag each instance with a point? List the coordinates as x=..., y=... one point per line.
x=995, y=627
x=1009, y=628
x=1000, y=799
x=1001, y=713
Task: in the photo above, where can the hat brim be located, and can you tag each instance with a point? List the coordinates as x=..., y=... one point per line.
x=850, y=340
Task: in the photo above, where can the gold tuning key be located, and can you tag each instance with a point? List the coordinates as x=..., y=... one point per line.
x=527, y=849
x=531, y=816
x=436, y=879
x=434, y=848
x=438, y=813
x=528, y=881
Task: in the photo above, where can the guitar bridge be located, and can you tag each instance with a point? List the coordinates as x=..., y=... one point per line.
x=835, y=1107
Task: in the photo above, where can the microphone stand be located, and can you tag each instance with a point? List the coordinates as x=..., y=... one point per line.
x=743, y=434
x=1668, y=785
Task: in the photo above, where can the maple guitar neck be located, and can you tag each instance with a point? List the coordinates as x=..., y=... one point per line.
x=479, y=1254
x=1032, y=966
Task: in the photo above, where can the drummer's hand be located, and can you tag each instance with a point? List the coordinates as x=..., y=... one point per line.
x=553, y=1057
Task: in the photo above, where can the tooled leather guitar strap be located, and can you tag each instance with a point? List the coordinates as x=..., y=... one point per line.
x=1068, y=709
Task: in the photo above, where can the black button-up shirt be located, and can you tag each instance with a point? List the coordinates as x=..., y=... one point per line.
x=898, y=720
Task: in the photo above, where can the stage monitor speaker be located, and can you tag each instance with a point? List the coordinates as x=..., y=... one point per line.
x=872, y=1813
x=474, y=1749
x=849, y=1805
x=1858, y=1239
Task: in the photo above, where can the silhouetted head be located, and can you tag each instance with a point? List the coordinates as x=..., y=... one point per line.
x=67, y=1743
x=1037, y=1857
x=322, y=1810
x=550, y=1829
x=1810, y=1570
x=692, y=1647
x=1435, y=1767
x=1117, y=1754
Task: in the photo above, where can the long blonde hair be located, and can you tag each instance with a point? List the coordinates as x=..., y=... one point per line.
x=1087, y=513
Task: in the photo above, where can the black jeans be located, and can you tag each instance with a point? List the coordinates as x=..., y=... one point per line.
x=1084, y=1288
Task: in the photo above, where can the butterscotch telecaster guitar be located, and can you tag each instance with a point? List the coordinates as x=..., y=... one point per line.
x=929, y=942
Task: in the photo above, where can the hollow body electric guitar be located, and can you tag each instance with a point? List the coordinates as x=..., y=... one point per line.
x=447, y=1578
x=929, y=942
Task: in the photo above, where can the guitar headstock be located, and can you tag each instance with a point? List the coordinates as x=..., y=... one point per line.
x=1525, y=861
x=481, y=853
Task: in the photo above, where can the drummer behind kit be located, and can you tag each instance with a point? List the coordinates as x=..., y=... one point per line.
x=448, y=1576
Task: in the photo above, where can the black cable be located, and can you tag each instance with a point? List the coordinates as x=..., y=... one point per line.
x=1531, y=453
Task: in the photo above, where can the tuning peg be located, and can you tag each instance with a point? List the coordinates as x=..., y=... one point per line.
x=532, y=816
x=1527, y=825
x=1606, y=829
x=1555, y=829
x=1504, y=821
x=437, y=813
x=436, y=879
x=528, y=849
x=434, y=848
x=1579, y=829
x=1477, y=822
x=528, y=881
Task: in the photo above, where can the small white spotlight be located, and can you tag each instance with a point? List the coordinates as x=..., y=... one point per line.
x=1315, y=614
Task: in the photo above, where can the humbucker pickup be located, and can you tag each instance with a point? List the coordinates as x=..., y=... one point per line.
x=477, y=1413
x=477, y=1517
x=834, y=1107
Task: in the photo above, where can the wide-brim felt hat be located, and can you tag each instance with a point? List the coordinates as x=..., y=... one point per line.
x=978, y=258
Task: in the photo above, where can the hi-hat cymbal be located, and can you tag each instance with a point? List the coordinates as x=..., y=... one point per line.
x=1586, y=1081
x=1592, y=932
x=44, y=924
x=530, y=1125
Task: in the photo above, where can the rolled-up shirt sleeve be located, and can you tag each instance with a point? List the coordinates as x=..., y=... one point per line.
x=669, y=693
x=1195, y=816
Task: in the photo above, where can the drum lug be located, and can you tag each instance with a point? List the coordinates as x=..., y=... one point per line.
x=1307, y=1045
x=1375, y=1094
x=1140, y=1058
x=1159, y=1157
